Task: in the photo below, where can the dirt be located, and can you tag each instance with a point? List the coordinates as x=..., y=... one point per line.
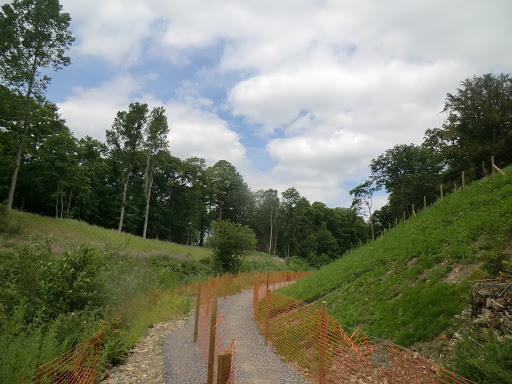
x=144, y=364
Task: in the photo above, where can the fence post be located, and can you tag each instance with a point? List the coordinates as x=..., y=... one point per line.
x=198, y=305
x=424, y=202
x=404, y=215
x=267, y=315
x=492, y=166
x=396, y=221
x=255, y=299
x=463, y=181
x=211, y=345
x=413, y=211
x=323, y=341
x=441, y=191
x=223, y=367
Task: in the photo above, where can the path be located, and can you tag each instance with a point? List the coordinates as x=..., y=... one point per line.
x=255, y=363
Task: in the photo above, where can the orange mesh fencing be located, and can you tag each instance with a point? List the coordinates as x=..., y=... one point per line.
x=316, y=345
x=226, y=285
x=78, y=365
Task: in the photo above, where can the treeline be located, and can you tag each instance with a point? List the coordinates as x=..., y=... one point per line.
x=478, y=125
x=133, y=183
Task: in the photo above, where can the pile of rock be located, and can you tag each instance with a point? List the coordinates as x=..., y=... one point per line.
x=491, y=306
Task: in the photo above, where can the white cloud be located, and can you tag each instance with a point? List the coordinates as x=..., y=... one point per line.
x=198, y=132
x=329, y=84
x=92, y=111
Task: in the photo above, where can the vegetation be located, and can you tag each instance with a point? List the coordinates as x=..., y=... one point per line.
x=409, y=285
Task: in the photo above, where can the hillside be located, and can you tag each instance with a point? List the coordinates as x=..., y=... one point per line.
x=411, y=285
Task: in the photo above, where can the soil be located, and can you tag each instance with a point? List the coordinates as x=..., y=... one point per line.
x=144, y=364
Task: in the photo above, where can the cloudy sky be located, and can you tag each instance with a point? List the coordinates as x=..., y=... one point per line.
x=291, y=92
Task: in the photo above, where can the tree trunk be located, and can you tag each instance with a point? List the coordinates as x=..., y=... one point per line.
x=148, y=198
x=14, y=177
x=121, y=218
x=69, y=201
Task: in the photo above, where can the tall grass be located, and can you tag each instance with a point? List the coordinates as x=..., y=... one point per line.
x=402, y=286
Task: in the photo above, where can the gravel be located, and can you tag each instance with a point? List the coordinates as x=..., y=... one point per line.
x=254, y=362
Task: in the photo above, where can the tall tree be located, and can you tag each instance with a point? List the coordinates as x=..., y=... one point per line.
x=230, y=192
x=125, y=140
x=408, y=172
x=155, y=140
x=478, y=125
x=363, y=195
x=35, y=36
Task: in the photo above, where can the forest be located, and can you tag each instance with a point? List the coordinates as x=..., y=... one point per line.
x=134, y=184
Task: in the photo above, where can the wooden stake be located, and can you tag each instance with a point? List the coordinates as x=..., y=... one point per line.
x=198, y=305
x=211, y=345
x=492, y=165
x=463, y=181
x=223, y=367
x=404, y=215
x=413, y=211
x=323, y=343
x=424, y=202
x=396, y=221
x=267, y=316
x=441, y=191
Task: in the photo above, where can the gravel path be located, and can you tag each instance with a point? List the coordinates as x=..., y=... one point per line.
x=255, y=363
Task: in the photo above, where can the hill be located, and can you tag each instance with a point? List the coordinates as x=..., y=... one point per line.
x=411, y=285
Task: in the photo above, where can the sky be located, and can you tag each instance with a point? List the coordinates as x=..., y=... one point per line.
x=293, y=93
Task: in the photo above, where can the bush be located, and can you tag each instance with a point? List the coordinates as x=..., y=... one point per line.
x=484, y=361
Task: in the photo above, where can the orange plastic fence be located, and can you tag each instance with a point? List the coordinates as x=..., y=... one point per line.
x=224, y=286
x=318, y=347
x=78, y=365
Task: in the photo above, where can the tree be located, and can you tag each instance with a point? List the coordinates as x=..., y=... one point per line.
x=478, y=126
x=155, y=140
x=408, y=172
x=125, y=140
x=35, y=36
x=230, y=192
x=363, y=195
x=230, y=241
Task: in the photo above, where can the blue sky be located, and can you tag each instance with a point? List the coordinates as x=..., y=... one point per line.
x=293, y=93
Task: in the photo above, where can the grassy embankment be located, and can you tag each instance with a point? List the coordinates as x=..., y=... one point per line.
x=410, y=285
x=63, y=281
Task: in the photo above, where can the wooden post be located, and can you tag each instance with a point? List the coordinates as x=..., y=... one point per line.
x=424, y=202
x=404, y=215
x=323, y=343
x=211, y=345
x=267, y=316
x=396, y=221
x=256, y=299
x=492, y=165
x=413, y=211
x=267, y=279
x=223, y=367
x=198, y=305
x=463, y=181
x=454, y=187
x=441, y=191
x=389, y=225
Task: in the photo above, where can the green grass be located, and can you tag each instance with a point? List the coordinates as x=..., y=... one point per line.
x=403, y=287
x=66, y=232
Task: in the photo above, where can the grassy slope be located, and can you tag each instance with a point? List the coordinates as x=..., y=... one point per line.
x=408, y=285
x=65, y=233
